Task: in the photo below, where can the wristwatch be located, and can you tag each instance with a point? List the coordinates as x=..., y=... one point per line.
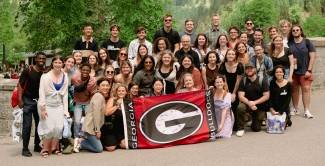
x=309, y=71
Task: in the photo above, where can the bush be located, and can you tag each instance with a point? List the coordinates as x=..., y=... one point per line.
x=314, y=26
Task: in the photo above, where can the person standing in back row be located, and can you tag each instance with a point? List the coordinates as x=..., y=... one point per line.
x=113, y=44
x=27, y=100
x=168, y=32
x=304, y=52
x=214, y=32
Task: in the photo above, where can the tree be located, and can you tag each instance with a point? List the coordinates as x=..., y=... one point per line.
x=132, y=14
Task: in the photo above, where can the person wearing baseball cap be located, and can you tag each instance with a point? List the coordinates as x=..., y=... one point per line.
x=253, y=93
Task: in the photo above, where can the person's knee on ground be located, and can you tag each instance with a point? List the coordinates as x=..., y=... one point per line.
x=110, y=148
x=122, y=144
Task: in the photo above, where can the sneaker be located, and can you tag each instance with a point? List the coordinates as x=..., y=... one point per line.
x=37, y=148
x=294, y=111
x=308, y=115
x=76, y=145
x=26, y=152
x=248, y=124
x=240, y=133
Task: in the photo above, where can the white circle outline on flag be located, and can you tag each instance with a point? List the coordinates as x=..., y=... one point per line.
x=158, y=105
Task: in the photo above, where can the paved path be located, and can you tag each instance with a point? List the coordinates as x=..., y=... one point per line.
x=301, y=144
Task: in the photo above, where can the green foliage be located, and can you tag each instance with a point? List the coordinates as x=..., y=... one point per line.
x=6, y=25
x=295, y=13
x=132, y=14
x=314, y=26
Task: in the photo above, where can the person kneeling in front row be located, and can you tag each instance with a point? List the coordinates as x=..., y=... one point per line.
x=253, y=93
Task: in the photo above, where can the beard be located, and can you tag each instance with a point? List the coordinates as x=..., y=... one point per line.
x=250, y=74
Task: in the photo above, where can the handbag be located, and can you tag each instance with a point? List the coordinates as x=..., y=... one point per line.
x=82, y=87
x=17, y=125
x=14, y=96
x=67, y=128
x=276, y=123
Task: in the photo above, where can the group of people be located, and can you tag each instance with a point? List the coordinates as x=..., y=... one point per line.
x=248, y=76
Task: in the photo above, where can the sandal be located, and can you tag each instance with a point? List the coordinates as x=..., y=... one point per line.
x=263, y=123
x=45, y=154
x=57, y=152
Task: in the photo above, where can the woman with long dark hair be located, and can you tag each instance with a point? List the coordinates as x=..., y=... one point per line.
x=144, y=75
x=210, y=69
x=52, y=106
x=103, y=59
x=160, y=45
x=201, y=46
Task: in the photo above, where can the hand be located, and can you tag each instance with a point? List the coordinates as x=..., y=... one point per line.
x=20, y=104
x=254, y=108
x=252, y=103
x=233, y=97
x=290, y=79
x=98, y=134
x=220, y=128
x=307, y=74
x=273, y=112
x=44, y=114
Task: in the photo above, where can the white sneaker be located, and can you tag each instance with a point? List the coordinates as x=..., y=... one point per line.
x=308, y=115
x=294, y=111
x=76, y=145
x=240, y=133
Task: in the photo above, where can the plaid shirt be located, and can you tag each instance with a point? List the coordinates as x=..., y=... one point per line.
x=213, y=35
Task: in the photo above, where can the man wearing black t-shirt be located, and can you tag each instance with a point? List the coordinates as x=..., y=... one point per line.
x=253, y=93
x=27, y=100
x=113, y=44
x=168, y=32
x=86, y=42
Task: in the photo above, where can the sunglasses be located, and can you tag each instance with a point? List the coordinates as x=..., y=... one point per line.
x=168, y=20
x=109, y=72
x=123, y=54
x=295, y=30
x=249, y=23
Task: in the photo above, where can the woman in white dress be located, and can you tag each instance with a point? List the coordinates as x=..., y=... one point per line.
x=52, y=106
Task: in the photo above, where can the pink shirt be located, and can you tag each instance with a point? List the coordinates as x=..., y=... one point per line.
x=85, y=96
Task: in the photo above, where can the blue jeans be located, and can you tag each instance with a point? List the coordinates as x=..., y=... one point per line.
x=287, y=73
x=92, y=143
x=77, y=117
x=29, y=110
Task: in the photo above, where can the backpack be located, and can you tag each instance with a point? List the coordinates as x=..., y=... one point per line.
x=161, y=32
x=260, y=80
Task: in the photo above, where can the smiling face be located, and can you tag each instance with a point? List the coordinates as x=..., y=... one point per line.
x=296, y=31
x=40, y=60
x=143, y=51
x=249, y=25
x=243, y=37
x=126, y=69
x=233, y=34
x=121, y=92
x=142, y=35
x=92, y=60
x=166, y=59
x=258, y=36
x=241, y=48
x=273, y=32
x=57, y=65
x=123, y=55
x=69, y=63
x=147, y=64
x=250, y=71
x=85, y=70
x=279, y=74
x=201, y=41
x=223, y=40
x=216, y=21
x=103, y=88
x=114, y=32
x=188, y=82
x=212, y=58
x=102, y=54
x=189, y=26
x=78, y=57
x=186, y=41
x=157, y=86
x=219, y=83
x=278, y=42
x=162, y=45
x=187, y=63
x=285, y=28
x=258, y=50
x=231, y=55
x=109, y=73
x=134, y=90
x=88, y=30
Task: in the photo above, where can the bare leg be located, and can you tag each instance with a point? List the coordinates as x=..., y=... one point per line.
x=110, y=148
x=306, y=96
x=55, y=142
x=122, y=144
x=295, y=96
